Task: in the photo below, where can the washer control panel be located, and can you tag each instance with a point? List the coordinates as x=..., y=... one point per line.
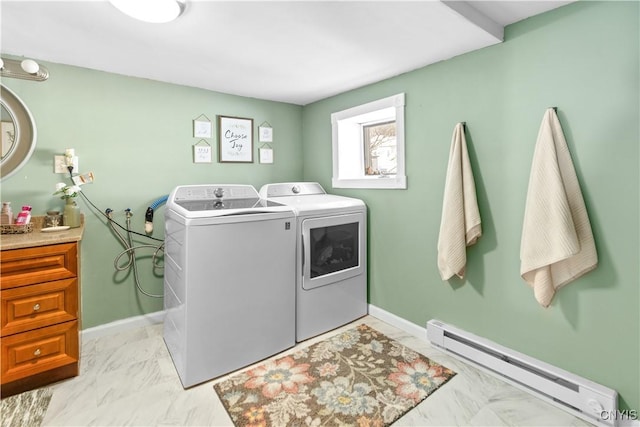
x=211, y=192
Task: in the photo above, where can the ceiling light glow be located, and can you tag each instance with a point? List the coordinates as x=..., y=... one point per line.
x=154, y=11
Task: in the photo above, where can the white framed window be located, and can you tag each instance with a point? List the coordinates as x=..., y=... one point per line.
x=368, y=145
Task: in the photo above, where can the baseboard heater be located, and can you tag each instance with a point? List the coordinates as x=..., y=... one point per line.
x=581, y=397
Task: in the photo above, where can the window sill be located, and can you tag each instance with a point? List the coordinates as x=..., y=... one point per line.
x=397, y=182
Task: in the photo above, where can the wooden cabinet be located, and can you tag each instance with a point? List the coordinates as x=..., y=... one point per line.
x=39, y=316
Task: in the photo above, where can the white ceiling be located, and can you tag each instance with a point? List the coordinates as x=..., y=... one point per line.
x=290, y=51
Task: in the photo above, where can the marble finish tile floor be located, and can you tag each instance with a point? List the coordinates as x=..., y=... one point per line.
x=129, y=379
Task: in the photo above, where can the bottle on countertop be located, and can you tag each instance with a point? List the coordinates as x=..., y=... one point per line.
x=6, y=217
x=24, y=217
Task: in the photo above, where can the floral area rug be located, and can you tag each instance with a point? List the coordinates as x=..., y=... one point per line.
x=359, y=377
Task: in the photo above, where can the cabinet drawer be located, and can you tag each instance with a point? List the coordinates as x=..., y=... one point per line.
x=36, y=306
x=38, y=351
x=21, y=267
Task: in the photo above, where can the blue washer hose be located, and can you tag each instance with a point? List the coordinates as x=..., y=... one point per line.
x=148, y=216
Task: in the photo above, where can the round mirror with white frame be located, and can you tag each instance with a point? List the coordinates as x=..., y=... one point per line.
x=18, y=132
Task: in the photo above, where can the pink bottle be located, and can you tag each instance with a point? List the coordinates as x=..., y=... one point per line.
x=24, y=216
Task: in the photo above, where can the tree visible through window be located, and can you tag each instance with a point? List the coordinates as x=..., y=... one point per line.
x=380, y=152
x=368, y=145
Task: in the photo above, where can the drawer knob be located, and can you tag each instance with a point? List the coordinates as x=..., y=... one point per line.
x=37, y=352
x=36, y=307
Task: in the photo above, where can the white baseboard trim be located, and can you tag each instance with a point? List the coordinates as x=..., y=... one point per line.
x=123, y=325
x=398, y=322
x=158, y=317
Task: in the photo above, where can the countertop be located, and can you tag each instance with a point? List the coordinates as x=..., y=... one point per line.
x=38, y=238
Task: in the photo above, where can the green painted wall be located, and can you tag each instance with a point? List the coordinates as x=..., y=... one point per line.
x=136, y=136
x=582, y=58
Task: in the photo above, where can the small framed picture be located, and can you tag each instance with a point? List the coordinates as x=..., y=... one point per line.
x=235, y=139
x=202, y=152
x=266, y=155
x=201, y=128
x=265, y=133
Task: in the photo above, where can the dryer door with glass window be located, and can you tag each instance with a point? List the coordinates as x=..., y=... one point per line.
x=333, y=249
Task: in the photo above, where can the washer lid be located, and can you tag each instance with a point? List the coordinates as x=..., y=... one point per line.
x=221, y=204
x=200, y=201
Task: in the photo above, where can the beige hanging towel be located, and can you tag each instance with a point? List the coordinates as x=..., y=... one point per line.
x=557, y=243
x=460, y=224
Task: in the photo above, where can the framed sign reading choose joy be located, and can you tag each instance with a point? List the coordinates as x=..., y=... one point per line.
x=235, y=139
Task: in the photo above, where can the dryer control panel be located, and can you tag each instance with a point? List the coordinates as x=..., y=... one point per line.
x=291, y=189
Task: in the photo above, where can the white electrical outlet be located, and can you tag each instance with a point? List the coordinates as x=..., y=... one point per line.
x=60, y=166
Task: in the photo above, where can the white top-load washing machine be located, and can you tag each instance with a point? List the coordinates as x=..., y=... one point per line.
x=331, y=256
x=229, y=283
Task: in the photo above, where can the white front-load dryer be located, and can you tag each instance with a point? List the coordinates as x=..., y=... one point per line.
x=331, y=256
